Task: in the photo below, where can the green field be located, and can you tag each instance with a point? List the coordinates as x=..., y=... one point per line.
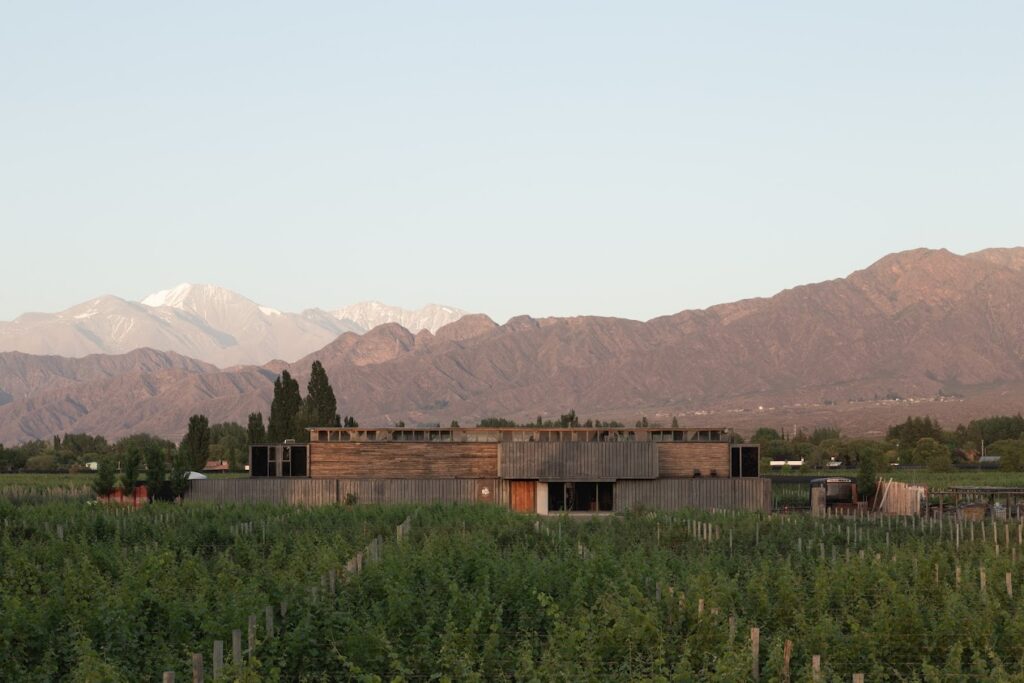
x=477, y=593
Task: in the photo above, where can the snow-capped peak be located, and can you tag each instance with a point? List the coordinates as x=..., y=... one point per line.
x=174, y=297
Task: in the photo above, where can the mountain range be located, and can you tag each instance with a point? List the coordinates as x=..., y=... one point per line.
x=917, y=332
x=205, y=322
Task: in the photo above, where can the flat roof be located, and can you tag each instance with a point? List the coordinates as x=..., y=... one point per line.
x=520, y=429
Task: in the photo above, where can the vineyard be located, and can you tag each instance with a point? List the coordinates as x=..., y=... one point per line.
x=478, y=593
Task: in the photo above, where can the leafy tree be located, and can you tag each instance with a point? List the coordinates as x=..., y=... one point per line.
x=350, y=422
x=996, y=428
x=569, y=419
x=496, y=422
x=196, y=443
x=675, y=422
x=1010, y=452
x=256, y=432
x=144, y=442
x=103, y=484
x=228, y=442
x=935, y=456
x=44, y=462
x=915, y=429
x=284, y=409
x=177, y=480
x=824, y=434
x=130, y=462
x=764, y=435
x=156, y=468
x=870, y=460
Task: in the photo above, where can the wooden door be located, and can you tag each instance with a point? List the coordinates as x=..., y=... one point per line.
x=524, y=496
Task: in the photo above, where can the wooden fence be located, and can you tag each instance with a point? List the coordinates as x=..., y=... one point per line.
x=752, y=493
x=300, y=491
x=743, y=493
x=898, y=498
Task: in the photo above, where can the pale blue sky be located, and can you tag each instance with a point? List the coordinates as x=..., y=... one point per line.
x=551, y=158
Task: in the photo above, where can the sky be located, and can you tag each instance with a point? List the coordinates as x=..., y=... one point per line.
x=630, y=159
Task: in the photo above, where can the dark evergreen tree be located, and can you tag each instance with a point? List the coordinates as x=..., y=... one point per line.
x=323, y=406
x=196, y=444
x=256, y=432
x=284, y=409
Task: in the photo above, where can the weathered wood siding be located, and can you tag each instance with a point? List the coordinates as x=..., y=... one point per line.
x=414, y=460
x=578, y=461
x=334, y=491
x=681, y=459
x=747, y=493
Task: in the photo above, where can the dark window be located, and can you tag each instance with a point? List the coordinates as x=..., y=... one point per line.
x=258, y=464
x=581, y=496
x=287, y=460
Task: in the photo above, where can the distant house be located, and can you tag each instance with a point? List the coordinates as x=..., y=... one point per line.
x=216, y=466
x=93, y=466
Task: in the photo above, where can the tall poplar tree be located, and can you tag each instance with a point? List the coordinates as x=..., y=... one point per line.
x=196, y=444
x=284, y=409
x=323, y=406
x=255, y=431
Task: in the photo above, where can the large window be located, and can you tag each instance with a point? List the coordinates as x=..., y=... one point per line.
x=284, y=460
x=581, y=496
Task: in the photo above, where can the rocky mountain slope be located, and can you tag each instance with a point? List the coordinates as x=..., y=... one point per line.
x=924, y=331
x=209, y=323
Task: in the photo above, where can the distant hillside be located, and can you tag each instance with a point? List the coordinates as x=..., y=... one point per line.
x=938, y=331
x=206, y=322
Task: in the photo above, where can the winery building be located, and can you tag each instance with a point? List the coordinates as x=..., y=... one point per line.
x=542, y=470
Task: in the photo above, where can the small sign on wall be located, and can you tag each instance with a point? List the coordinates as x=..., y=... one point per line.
x=485, y=493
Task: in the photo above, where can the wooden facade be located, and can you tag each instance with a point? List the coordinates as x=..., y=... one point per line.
x=395, y=460
x=528, y=469
x=578, y=461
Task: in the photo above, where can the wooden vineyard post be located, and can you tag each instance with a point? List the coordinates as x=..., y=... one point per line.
x=755, y=653
x=981, y=577
x=197, y=668
x=858, y=678
x=252, y=636
x=236, y=648
x=168, y=677
x=218, y=658
x=787, y=653
x=816, y=669
x=269, y=612
x=732, y=628
x=1009, y=585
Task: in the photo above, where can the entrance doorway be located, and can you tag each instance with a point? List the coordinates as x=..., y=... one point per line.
x=581, y=496
x=524, y=495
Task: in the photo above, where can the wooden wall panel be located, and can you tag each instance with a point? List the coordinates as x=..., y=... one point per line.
x=746, y=493
x=681, y=459
x=414, y=460
x=578, y=461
